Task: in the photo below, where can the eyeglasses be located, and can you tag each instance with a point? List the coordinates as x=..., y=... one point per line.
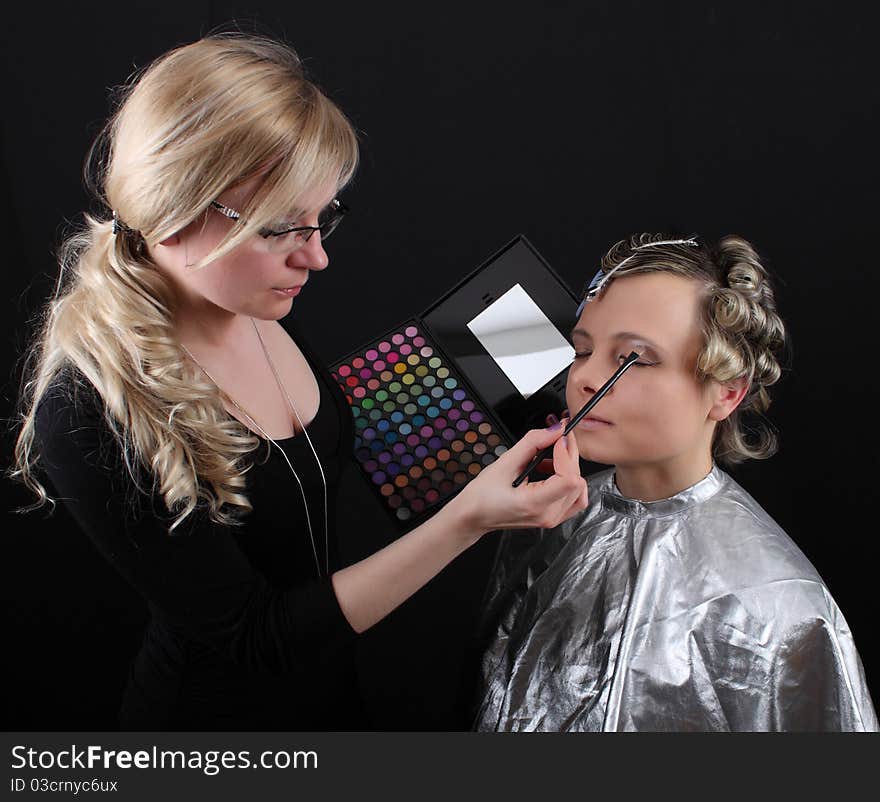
x=291, y=238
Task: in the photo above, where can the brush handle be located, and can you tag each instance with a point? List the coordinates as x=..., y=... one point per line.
x=597, y=397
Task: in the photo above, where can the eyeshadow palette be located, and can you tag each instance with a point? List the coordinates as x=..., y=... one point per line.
x=421, y=432
x=444, y=394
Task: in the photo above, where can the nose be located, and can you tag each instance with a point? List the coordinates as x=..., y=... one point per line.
x=587, y=375
x=311, y=255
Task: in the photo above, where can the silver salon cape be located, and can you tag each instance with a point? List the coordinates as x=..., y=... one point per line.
x=695, y=612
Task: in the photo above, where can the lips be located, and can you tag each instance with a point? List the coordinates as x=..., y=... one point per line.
x=593, y=423
x=288, y=292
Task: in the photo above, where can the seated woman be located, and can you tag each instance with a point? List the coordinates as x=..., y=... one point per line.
x=674, y=602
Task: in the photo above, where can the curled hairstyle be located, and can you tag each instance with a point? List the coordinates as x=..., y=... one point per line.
x=743, y=335
x=200, y=119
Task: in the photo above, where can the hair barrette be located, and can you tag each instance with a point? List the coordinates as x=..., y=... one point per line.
x=118, y=226
x=600, y=280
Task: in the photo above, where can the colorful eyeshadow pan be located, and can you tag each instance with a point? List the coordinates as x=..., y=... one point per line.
x=421, y=434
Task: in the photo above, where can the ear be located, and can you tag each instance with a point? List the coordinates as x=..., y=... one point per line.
x=726, y=397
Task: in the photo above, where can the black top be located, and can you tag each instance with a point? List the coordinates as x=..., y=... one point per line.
x=243, y=633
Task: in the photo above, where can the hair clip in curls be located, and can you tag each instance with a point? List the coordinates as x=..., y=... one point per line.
x=599, y=280
x=119, y=226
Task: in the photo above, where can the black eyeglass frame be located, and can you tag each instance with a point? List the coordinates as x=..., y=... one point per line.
x=326, y=229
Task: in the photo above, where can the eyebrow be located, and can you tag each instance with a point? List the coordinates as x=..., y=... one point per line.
x=621, y=335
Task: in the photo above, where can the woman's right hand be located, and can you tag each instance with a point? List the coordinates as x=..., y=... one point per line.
x=491, y=502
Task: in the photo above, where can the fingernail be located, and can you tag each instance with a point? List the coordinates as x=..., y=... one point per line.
x=555, y=426
x=552, y=419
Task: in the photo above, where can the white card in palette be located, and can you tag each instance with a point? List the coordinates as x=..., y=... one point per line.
x=522, y=340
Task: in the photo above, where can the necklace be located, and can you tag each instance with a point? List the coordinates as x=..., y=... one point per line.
x=283, y=453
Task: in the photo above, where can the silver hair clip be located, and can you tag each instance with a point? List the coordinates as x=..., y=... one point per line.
x=118, y=225
x=599, y=280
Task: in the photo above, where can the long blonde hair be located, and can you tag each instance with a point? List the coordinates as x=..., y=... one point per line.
x=200, y=119
x=743, y=334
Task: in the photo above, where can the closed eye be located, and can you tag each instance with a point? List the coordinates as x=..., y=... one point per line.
x=622, y=358
x=282, y=229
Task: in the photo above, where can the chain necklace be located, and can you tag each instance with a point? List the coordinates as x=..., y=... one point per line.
x=283, y=453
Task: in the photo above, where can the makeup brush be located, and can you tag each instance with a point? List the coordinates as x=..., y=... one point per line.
x=546, y=452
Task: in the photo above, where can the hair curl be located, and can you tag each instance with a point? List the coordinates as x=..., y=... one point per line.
x=200, y=119
x=743, y=334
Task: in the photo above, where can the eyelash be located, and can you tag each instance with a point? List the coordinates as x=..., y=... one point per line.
x=275, y=231
x=585, y=354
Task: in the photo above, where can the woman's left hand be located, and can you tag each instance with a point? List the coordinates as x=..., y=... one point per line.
x=491, y=502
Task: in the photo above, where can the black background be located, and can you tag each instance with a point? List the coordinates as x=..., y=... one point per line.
x=573, y=123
